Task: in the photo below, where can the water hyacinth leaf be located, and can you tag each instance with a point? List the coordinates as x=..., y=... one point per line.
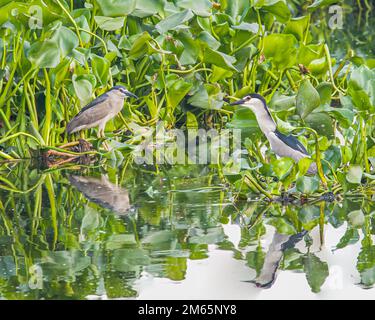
x=321, y=3
x=322, y=123
x=146, y=8
x=177, y=90
x=44, y=54
x=281, y=48
x=307, y=185
x=83, y=24
x=307, y=99
x=115, y=8
x=84, y=86
x=297, y=27
x=140, y=46
x=208, y=40
x=361, y=87
x=354, y=174
x=66, y=39
x=100, y=67
x=244, y=119
x=108, y=23
x=191, y=51
x=219, y=59
x=90, y=220
x=282, y=167
x=350, y=237
x=208, y=96
x=235, y=8
x=277, y=7
x=316, y=271
x=325, y=91
x=200, y=8
x=173, y=21
x=219, y=74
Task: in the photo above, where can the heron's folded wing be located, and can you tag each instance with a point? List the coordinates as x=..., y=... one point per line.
x=292, y=142
x=95, y=111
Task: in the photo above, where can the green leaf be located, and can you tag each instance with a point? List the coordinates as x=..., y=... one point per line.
x=277, y=7
x=173, y=21
x=200, y=8
x=66, y=40
x=115, y=8
x=100, y=67
x=307, y=185
x=321, y=3
x=219, y=59
x=109, y=24
x=316, y=271
x=146, y=8
x=140, y=46
x=307, y=99
x=208, y=96
x=282, y=167
x=84, y=87
x=354, y=174
x=44, y=54
x=321, y=122
x=281, y=48
x=297, y=27
x=177, y=90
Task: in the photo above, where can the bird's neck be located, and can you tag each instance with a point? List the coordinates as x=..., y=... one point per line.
x=265, y=121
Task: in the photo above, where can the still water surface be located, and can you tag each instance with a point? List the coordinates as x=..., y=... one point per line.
x=98, y=233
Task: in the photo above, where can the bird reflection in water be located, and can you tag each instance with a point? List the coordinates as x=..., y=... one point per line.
x=102, y=192
x=280, y=243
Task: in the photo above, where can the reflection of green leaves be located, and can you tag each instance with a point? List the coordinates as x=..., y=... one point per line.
x=316, y=271
x=351, y=236
x=354, y=174
x=366, y=265
x=307, y=185
x=255, y=259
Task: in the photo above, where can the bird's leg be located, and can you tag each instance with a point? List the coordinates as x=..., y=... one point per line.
x=101, y=135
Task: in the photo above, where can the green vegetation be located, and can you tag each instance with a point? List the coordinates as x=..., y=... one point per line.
x=184, y=59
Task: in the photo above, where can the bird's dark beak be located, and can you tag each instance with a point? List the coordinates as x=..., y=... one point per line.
x=238, y=102
x=129, y=94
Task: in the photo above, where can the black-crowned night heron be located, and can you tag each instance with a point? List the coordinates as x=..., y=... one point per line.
x=282, y=145
x=99, y=111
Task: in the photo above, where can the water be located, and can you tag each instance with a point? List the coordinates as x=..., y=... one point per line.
x=104, y=233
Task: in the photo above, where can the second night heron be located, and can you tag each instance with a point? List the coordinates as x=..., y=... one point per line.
x=99, y=111
x=282, y=145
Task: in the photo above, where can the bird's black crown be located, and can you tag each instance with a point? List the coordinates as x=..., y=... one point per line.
x=258, y=96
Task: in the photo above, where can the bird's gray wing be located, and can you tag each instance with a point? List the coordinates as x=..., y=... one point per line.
x=95, y=111
x=292, y=142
